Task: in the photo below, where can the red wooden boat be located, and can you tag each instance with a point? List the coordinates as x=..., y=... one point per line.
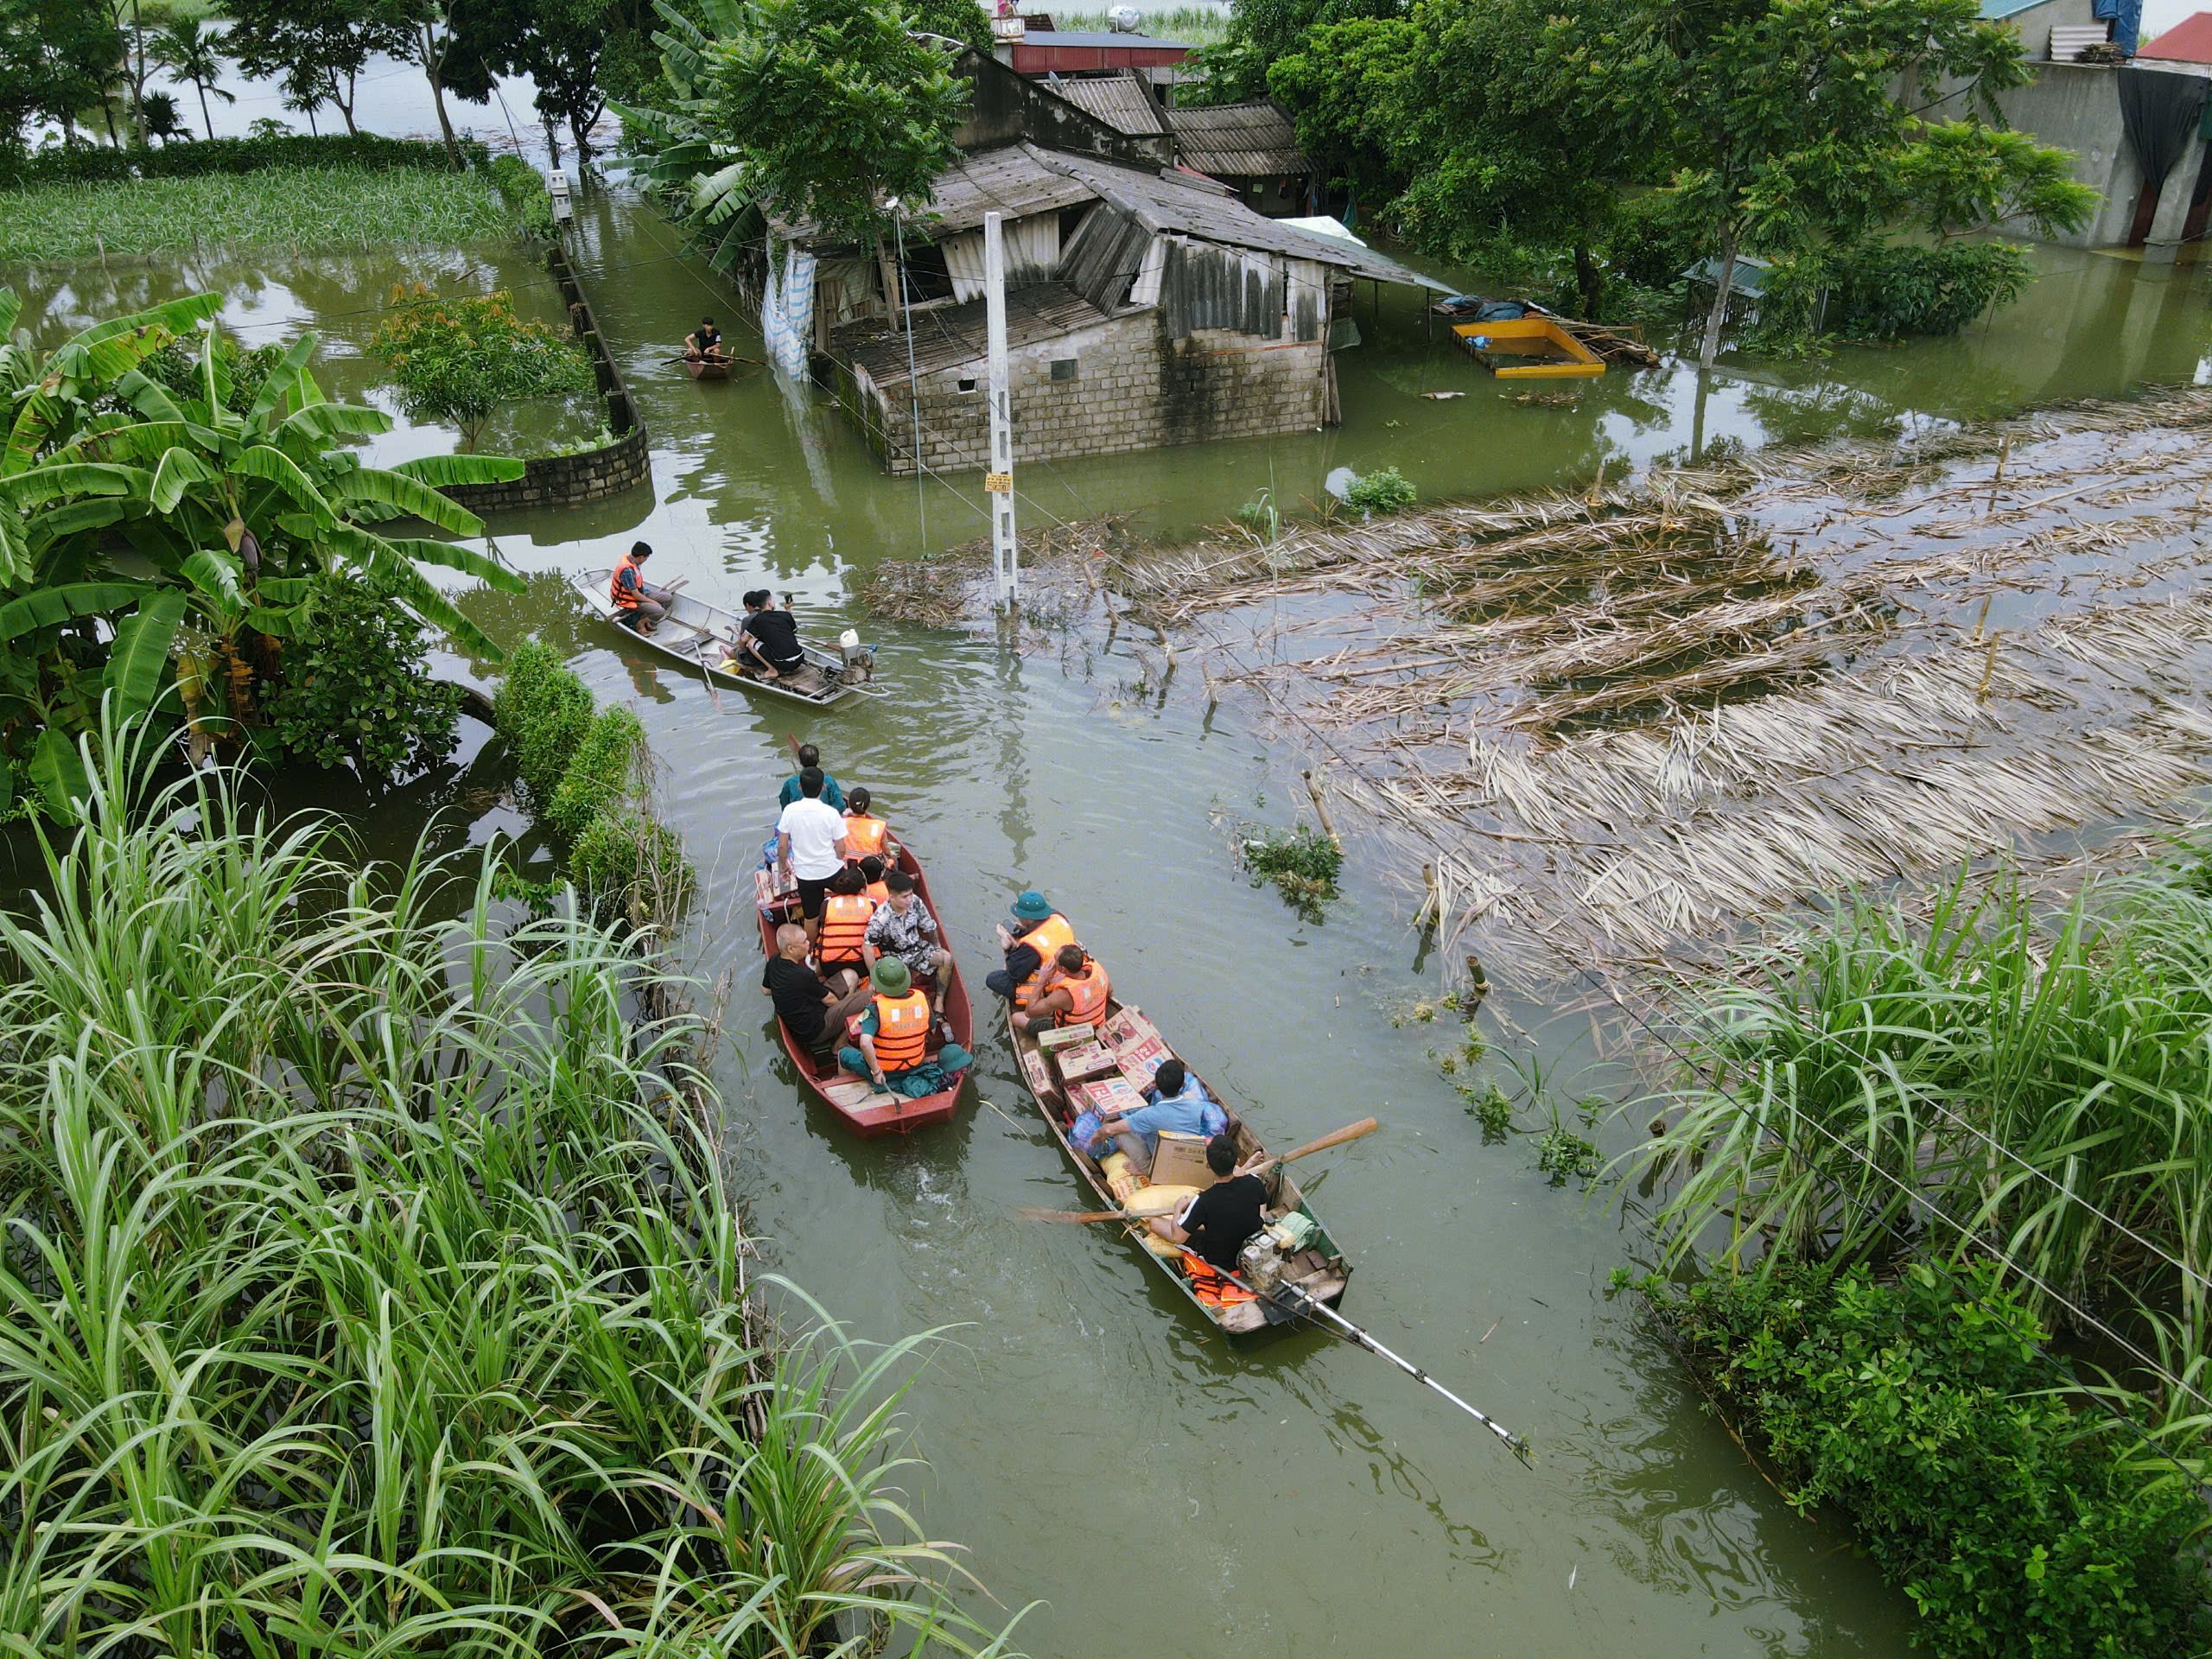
x=867, y=1111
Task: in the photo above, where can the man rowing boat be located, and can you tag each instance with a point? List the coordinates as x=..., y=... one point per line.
x=704, y=344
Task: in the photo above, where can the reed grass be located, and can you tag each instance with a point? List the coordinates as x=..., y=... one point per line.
x=1193, y=25
x=370, y=1284
x=304, y=209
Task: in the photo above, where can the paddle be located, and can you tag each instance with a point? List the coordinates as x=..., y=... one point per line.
x=1351, y=1132
x=713, y=690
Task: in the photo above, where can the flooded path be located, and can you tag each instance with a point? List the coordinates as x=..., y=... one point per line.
x=1088, y=1440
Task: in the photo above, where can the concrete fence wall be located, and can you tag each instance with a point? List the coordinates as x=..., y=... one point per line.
x=590, y=474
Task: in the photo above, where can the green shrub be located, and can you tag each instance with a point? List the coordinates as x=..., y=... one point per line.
x=1891, y=290
x=1303, y=863
x=1386, y=491
x=521, y=188
x=543, y=712
x=94, y=164
x=1651, y=242
x=1920, y=1411
x=461, y=360
x=357, y=687
x=626, y=855
x=604, y=771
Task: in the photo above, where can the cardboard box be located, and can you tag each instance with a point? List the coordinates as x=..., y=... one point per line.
x=1063, y=1036
x=1128, y=1026
x=1108, y=1096
x=1085, y=1060
x=1181, y=1161
x=1139, y=1059
x=1039, y=1075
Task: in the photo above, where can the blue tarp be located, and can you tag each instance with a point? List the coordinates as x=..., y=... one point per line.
x=2126, y=17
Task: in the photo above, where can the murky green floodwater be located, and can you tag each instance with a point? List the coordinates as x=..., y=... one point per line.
x=1158, y=1491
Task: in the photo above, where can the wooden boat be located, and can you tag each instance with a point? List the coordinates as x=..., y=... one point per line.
x=1529, y=348
x=699, y=369
x=699, y=636
x=1320, y=1271
x=867, y=1111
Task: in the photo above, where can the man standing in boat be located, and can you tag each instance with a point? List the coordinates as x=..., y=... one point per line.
x=704, y=344
x=637, y=603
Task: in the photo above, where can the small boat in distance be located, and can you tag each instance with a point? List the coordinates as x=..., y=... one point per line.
x=700, y=636
x=1128, y=1048
x=867, y=1111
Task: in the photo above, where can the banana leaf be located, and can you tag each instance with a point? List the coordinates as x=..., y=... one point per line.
x=140, y=655
x=49, y=607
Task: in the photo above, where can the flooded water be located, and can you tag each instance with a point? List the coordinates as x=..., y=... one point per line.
x=1091, y=1443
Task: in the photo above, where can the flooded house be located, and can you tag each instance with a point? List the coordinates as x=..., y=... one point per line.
x=1145, y=305
x=1251, y=148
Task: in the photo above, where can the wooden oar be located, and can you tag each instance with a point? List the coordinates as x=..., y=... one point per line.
x=1337, y=1138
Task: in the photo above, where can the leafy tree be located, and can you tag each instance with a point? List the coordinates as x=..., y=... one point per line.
x=964, y=21
x=358, y=691
x=1260, y=32
x=461, y=360
x=195, y=55
x=563, y=45
x=57, y=57
x=1776, y=120
x=233, y=517
x=317, y=48
x=164, y=120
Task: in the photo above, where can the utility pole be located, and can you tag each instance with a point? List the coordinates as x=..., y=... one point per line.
x=998, y=483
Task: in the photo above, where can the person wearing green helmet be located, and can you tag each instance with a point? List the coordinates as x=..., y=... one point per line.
x=1039, y=934
x=893, y=1036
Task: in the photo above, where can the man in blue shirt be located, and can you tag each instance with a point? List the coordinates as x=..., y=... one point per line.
x=1176, y=1101
x=810, y=756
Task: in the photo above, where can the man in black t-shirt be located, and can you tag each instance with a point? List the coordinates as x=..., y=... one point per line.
x=814, y=1014
x=769, y=638
x=1221, y=1218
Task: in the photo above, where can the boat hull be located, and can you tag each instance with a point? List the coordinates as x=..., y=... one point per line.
x=863, y=1109
x=702, y=370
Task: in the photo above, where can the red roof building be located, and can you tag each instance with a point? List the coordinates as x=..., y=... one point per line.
x=2188, y=42
x=1074, y=52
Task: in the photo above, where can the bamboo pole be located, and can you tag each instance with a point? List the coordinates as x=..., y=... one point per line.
x=1322, y=809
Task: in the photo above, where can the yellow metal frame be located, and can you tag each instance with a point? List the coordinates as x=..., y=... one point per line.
x=1565, y=357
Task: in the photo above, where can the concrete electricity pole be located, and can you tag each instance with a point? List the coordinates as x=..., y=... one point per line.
x=998, y=483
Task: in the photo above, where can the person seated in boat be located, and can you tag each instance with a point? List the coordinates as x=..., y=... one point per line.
x=1039, y=934
x=767, y=641
x=1217, y=1223
x=704, y=344
x=893, y=1035
x=1185, y=1109
x=872, y=874
x=637, y=603
x=810, y=756
x=813, y=1014
x=903, y=929
x=810, y=847
x=840, y=943
x=1071, y=991
x=869, y=834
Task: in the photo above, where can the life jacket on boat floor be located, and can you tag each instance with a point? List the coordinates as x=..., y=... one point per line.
x=902, y=1031
x=1211, y=1286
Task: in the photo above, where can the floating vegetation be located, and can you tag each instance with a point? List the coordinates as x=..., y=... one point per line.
x=1625, y=726
x=1303, y=863
x=1062, y=581
x=1564, y=1155
x=1492, y=1106
x=1386, y=491
x=304, y=209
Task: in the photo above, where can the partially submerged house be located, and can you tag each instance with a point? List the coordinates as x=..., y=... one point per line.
x=1146, y=307
x=1252, y=148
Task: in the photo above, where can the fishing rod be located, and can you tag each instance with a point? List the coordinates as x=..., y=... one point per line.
x=1514, y=1443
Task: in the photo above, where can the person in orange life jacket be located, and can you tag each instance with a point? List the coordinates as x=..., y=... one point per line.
x=1040, y=932
x=894, y=1030
x=637, y=603
x=903, y=930
x=813, y=1012
x=871, y=878
x=868, y=836
x=840, y=942
x=1215, y=1224
x=1070, y=991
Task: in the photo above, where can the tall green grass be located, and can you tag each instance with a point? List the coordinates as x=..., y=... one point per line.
x=1194, y=25
x=368, y=1286
x=304, y=209
x=1984, y=1081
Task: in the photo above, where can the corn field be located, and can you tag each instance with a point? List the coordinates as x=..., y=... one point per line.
x=369, y=1285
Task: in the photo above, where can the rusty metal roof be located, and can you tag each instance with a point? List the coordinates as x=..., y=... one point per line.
x=1120, y=100
x=1238, y=141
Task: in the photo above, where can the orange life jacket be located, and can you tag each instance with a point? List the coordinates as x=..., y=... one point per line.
x=1087, y=994
x=626, y=599
x=864, y=835
x=1211, y=1286
x=877, y=892
x=1046, y=938
x=902, y=1031
x=844, y=924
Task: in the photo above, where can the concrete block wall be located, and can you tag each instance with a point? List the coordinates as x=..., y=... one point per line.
x=590, y=474
x=1133, y=388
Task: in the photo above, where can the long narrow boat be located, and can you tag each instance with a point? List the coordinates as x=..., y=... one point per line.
x=1319, y=1270
x=699, y=636
x=867, y=1111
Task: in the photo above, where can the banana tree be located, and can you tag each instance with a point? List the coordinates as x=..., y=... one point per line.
x=232, y=516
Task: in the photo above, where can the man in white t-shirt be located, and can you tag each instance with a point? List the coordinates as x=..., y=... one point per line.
x=810, y=846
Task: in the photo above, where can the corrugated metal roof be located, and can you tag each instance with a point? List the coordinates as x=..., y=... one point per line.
x=1196, y=207
x=1238, y=141
x=1120, y=100
x=1009, y=180
x=953, y=336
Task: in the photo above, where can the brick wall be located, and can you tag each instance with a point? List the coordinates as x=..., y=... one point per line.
x=590, y=474
x=1131, y=388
